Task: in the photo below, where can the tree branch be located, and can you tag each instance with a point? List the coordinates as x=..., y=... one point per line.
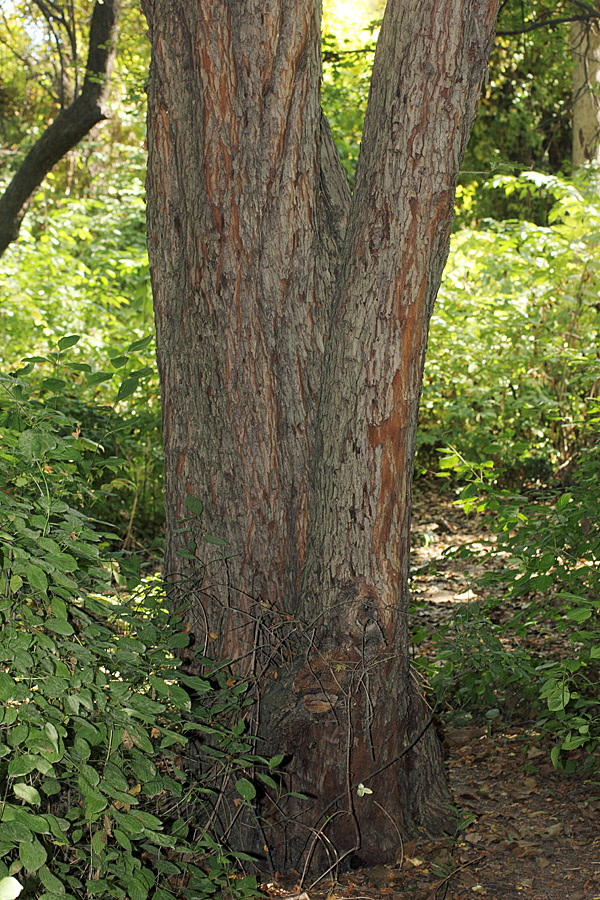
x=547, y=23
x=71, y=124
x=587, y=13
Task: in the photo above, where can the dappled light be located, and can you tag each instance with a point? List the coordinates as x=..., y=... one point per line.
x=299, y=521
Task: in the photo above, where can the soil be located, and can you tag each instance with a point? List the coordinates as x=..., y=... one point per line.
x=529, y=831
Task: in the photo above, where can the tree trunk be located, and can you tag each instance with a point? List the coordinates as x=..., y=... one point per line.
x=291, y=350
x=70, y=126
x=585, y=49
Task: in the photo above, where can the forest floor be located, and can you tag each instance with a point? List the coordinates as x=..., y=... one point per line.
x=535, y=832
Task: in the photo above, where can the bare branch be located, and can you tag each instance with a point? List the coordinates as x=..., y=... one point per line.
x=546, y=23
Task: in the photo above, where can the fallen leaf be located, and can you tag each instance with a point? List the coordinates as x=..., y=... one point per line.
x=474, y=837
x=458, y=737
x=466, y=595
x=443, y=858
x=522, y=850
x=534, y=752
x=379, y=876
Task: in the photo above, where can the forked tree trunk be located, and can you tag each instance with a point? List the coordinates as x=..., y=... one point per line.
x=291, y=349
x=585, y=50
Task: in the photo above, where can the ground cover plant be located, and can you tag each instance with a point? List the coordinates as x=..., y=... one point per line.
x=539, y=587
x=97, y=713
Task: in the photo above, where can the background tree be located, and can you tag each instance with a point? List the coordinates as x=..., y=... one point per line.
x=585, y=47
x=81, y=106
x=290, y=350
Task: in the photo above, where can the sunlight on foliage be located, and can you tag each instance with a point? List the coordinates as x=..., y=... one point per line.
x=350, y=30
x=512, y=357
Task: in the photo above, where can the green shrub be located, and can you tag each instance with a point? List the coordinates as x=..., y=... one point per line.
x=98, y=798
x=114, y=447
x=548, y=547
x=512, y=356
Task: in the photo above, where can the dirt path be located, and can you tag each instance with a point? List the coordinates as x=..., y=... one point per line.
x=533, y=833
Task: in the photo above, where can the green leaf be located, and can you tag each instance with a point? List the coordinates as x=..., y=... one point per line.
x=179, y=640
x=147, y=819
x=50, y=786
x=99, y=377
x=15, y=832
x=8, y=687
x=34, y=443
x=36, y=578
x=145, y=704
x=211, y=539
x=194, y=505
x=94, y=804
x=56, y=385
x=563, y=501
x=141, y=344
x=579, y=614
x=136, y=889
x=558, y=699
x=32, y=855
x=27, y=792
x=122, y=839
x=59, y=626
x=22, y=765
x=245, y=789
x=159, y=894
x=115, y=777
x=68, y=341
x=266, y=779
x=162, y=840
x=128, y=387
x=18, y=734
x=97, y=886
x=59, y=607
x=50, y=881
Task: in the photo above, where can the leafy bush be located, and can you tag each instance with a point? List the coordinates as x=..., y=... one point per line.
x=98, y=799
x=79, y=266
x=115, y=448
x=512, y=356
x=548, y=547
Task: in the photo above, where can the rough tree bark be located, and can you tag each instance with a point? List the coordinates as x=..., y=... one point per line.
x=71, y=124
x=585, y=50
x=291, y=331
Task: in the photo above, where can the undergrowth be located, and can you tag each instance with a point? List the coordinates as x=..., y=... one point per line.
x=99, y=798
x=546, y=582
